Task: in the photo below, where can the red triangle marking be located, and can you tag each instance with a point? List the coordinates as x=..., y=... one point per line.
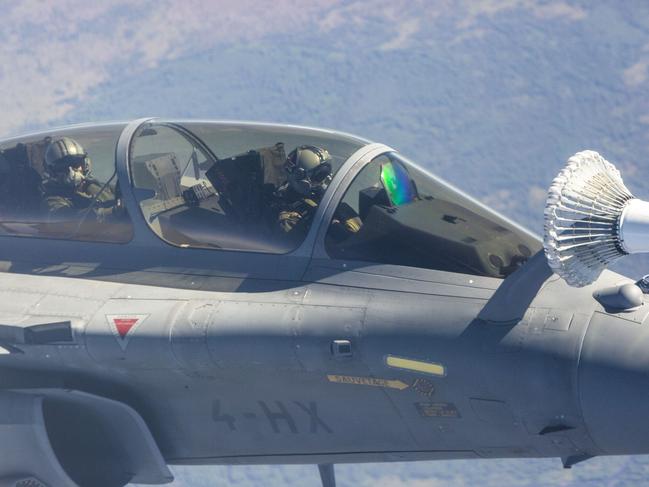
x=124, y=325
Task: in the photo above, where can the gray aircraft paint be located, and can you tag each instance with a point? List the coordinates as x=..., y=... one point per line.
x=228, y=358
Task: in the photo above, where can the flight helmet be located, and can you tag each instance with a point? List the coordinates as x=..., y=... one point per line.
x=67, y=161
x=309, y=170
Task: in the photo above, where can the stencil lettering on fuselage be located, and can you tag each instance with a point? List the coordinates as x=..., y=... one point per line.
x=368, y=381
x=437, y=410
x=289, y=418
x=218, y=416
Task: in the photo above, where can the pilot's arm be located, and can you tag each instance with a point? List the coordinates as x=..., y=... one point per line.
x=103, y=206
x=345, y=223
x=296, y=215
x=59, y=206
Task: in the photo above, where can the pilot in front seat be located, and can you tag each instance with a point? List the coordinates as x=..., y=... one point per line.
x=70, y=191
x=309, y=172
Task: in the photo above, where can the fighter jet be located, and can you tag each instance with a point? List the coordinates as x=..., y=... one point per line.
x=197, y=292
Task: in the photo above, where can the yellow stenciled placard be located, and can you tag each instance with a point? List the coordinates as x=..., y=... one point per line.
x=368, y=381
x=431, y=368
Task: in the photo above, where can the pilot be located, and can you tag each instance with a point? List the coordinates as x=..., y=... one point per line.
x=308, y=173
x=70, y=190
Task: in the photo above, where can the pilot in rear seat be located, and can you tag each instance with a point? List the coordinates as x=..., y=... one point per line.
x=70, y=191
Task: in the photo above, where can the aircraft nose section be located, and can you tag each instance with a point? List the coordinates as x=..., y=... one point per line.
x=614, y=381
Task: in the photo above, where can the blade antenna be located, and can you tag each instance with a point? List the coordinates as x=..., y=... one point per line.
x=327, y=474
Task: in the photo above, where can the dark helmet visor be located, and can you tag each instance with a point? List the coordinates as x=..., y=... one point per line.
x=320, y=173
x=65, y=162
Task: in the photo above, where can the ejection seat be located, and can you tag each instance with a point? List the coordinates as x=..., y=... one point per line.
x=22, y=171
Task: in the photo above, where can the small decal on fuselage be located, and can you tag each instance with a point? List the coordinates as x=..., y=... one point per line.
x=437, y=410
x=368, y=381
x=431, y=368
x=123, y=327
x=423, y=387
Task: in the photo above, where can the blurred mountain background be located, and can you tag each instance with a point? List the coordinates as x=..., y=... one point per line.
x=491, y=95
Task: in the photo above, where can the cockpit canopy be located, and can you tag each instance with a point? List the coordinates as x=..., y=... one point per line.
x=396, y=213
x=230, y=186
x=250, y=188
x=36, y=202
